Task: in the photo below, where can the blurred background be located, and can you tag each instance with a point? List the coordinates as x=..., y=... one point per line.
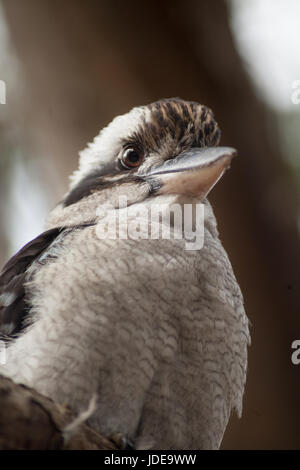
x=70, y=66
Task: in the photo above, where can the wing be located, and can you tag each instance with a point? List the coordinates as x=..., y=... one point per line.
x=14, y=310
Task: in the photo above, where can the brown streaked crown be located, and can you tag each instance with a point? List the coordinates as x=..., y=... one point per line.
x=178, y=123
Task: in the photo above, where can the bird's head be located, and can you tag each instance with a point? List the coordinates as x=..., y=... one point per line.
x=166, y=148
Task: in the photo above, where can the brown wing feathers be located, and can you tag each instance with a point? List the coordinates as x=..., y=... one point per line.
x=14, y=309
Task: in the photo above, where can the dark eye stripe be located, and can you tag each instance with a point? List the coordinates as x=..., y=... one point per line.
x=96, y=181
x=91, y=182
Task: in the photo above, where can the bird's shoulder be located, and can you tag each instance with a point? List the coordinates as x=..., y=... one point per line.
x=18, y=271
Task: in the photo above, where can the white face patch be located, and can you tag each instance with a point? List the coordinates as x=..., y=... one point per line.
x=107, y=144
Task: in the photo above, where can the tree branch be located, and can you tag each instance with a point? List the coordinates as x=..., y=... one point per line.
x=31, y=421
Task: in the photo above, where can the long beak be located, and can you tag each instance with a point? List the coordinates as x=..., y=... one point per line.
x=192, y=173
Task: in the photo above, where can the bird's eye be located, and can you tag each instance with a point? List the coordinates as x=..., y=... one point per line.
x=131, y=158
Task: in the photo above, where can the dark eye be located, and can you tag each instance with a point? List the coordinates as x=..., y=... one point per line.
x=131, y=158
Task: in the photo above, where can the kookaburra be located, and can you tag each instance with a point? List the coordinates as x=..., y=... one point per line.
x=157, y=331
